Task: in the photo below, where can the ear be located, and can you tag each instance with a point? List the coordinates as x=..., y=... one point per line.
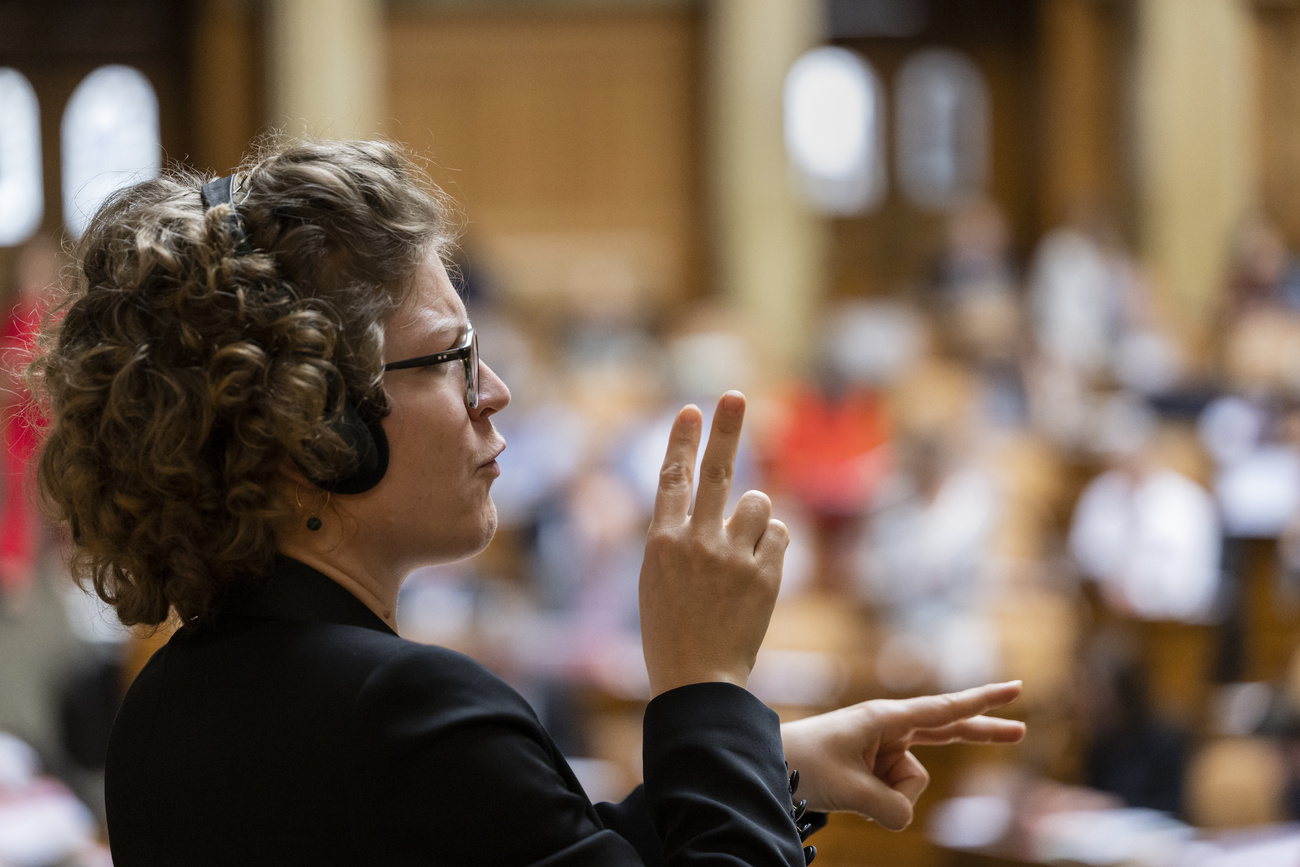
x=290, y=473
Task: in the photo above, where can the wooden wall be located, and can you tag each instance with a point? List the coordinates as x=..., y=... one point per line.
x=890, y=249
x=569, y=140
x=1277, y=41
x=56, y=43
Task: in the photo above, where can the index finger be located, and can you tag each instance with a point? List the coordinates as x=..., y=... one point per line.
x=719, y=463
x=673, y=497
x=976, y=730
x=935, y=711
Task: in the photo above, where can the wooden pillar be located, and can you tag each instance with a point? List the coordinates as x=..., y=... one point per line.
x=1080, y=142
x=770, y=249
x=325, y=61
x=1196, y=149
x=228, y=82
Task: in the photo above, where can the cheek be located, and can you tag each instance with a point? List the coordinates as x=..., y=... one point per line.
x=422, y=441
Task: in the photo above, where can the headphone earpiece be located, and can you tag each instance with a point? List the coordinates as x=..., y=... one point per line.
x=366, y=439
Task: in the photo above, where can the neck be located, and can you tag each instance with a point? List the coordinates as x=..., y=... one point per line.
x=377, y=588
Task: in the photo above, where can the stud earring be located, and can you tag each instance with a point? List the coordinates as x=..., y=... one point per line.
x=313, y=520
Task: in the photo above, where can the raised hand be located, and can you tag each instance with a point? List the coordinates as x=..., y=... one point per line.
x=857, y=759
x=708, y=585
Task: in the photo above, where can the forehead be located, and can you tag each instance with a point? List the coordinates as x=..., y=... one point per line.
x=433, y=307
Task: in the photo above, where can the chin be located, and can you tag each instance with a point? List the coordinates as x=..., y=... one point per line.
x=473, y=542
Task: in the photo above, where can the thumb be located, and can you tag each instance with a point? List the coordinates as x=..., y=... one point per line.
x=876, y=800
x=771, y=546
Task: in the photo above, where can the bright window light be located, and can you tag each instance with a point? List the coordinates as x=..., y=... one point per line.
x=21, y=191
x=110, y=140
x=943, y=128
x=833, y=131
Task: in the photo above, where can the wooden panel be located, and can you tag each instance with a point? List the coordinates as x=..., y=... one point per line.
x=893, y=248
x=1277, y=41
x=569, y=140
x=1084, y=51
x=58, y=42
x=228, y=81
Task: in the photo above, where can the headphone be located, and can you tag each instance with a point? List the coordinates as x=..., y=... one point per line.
x=360, y=430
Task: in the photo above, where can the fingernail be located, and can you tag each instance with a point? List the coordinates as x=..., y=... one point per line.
x=733, y=401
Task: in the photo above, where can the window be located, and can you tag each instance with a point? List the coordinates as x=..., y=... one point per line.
x=21, y=190
x=834, y=131
x=110, y=139
x=943, y=128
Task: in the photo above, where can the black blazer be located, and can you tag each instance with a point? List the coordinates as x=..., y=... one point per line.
x=297, y=728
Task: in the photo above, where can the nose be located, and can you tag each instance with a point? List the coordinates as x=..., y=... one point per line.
x=493, y=395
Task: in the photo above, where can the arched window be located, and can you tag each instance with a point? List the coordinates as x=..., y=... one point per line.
x=21, y=189
x=834, y=134
x=110, y=139
x=942, y=108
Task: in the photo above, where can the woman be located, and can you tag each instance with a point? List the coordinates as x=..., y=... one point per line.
x=267, y=408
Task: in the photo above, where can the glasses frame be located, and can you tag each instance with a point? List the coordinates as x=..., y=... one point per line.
x=466, y=352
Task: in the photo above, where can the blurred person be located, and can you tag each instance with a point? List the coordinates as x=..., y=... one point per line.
x=975, y=265
x=930, y=532
x=266, y=408
x=976, y=307
x=1263, y=273
x=924, y=560
x=1131, y=753
x=1148, y=533
x=1260, y=343
x=1257, y=489
x=1094, y=325
x=1073, y=298
x=20, y=522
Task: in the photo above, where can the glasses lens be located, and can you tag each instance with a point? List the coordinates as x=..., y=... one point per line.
x=471, y=373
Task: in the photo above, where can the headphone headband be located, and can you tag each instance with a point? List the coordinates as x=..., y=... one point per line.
x=219, y=192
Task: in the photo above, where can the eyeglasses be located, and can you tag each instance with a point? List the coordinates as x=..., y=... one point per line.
x=466, y=352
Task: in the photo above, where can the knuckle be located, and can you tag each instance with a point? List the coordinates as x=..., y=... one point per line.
x=674, y=475
x=715, y=473
x=700, y=548
x=658, y=540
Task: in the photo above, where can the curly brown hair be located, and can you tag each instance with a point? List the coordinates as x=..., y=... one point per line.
x=178, y=375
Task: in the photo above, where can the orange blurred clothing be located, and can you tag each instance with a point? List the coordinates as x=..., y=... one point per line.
x=19, y=519
x=830, y=453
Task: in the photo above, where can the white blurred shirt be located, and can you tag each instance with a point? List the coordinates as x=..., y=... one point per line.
x=1152, y=543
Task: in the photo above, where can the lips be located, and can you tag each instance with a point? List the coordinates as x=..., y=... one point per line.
x=495, y=455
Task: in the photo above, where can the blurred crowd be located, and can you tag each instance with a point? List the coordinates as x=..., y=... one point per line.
x=1018, y=467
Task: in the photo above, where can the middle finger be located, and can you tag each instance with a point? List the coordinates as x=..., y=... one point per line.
x=719, y=463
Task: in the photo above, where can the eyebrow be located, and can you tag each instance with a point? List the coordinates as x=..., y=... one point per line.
x=458, y=326
x=451, y=325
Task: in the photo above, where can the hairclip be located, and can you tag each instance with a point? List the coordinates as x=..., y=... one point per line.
x=219, y=192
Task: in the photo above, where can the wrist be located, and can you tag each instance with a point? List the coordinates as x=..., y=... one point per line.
x=664, y=683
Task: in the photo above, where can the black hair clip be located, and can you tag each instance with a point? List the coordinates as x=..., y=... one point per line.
x=219, y=192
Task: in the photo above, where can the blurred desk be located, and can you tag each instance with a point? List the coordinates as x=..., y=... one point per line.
x=952, y=858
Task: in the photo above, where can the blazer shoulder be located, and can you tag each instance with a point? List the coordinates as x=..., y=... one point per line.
x=430, y=679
